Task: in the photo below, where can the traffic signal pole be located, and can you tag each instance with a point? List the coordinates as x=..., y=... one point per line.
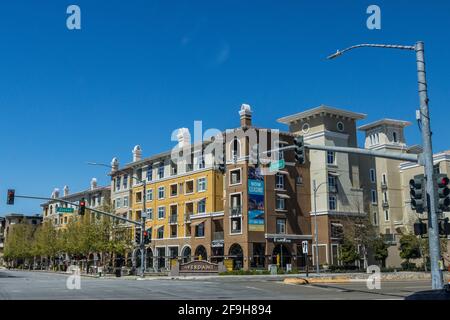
x=433, y=227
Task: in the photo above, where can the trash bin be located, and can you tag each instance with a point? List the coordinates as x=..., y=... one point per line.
x=273, y=269
x=118, y=272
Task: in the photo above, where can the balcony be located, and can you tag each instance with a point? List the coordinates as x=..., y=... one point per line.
x=389, y=238
x=173, y=219
x=218, y=235
x=385, y=204
x=236, y=211
x=383, y=185
x=187, y=217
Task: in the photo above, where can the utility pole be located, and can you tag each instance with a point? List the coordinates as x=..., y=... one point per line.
x=426, y=158
x=143, y=217
x=316, y=228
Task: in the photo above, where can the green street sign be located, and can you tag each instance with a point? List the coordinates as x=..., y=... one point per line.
x=64, y=210
x=277, y=165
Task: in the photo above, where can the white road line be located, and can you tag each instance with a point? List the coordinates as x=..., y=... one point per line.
x=259, y=289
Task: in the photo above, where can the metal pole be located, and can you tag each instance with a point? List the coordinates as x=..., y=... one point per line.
x=436, y=275
x=316, y=232
x=142, y=244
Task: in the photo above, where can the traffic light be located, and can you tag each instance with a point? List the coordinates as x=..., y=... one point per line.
x=137, y=235
x=420, y=228
x=82, y=207
x=254, y=156
x=417, y=193
x=10, y=197
x=444, y=227
x=299, y=149
x=443, y=192
x=147, y=236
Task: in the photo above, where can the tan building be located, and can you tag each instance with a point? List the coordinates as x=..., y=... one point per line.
x=339, y=196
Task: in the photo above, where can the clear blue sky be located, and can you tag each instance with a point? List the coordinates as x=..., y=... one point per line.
x=140, y=69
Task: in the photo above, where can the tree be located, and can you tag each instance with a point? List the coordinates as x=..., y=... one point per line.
x=380, y=250
x=409, y=249
x=348, y=251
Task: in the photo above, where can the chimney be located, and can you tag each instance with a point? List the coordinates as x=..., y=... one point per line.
x=55, y=193
x=66, y=191
x=137, y=153
x=114, y=165
x=246, y=116
x=184, y=137
x=93, y=183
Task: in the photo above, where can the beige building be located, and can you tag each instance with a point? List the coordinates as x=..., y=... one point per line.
x=339, y=193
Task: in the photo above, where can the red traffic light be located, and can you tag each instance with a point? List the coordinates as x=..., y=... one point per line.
x=10, y=197
x=82, y=204
x=444, y=181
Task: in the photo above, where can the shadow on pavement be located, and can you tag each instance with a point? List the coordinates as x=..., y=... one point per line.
x=429, y=295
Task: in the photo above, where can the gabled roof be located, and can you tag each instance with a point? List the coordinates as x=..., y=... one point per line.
x=322, y=110
x=385, y=121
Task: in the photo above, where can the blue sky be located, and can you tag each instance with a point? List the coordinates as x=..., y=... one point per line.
x=140, y=69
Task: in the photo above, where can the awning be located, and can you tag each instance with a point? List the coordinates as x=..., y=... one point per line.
x=283, y=172
x=283, y=196
x=195, y=223
x=337, y=224
x=334, y=174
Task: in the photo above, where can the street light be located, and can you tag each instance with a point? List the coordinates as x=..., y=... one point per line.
x=316, y=228
x=143, y=215
x=426, y=158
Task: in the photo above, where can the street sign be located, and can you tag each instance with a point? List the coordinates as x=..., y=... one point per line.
x=64, y=210
x=305, y=247
x=277, y=165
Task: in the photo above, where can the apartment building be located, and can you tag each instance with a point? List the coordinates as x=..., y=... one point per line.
x=339, y=197
x=196, y=210
x=95, y=197
x=12, y=219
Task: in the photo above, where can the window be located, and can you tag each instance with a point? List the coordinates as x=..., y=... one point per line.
x=236, y=225
x=189, y=187
x=340, y=126
x=385, y=196
x=173, y=169
x=125, y=181
x=161, y=171
x=337, y=230
x=160, y=233
x=200, y=230
x=173, y=190
x=386, y=215
x=394, y=136
x=332, y=203
x=375, y=218
x=201, y=161
x=372, y=175
x=201, y=184
x=125, y=201
x=280, y=155
x=305, y=128
x=161, y=192
x=138, y=215
x=138, y=197
x=149, y=173
x=201, y=206
x=373, y=194
x=383, y=179
x=280, y=204
x=279, y=181
x=235, y=149
x=150, y=213
x=65, y=221
x=330, y=157
x=332, y=183
x=235, y=176
x=118, y=202
x=281, y=226
x=139, y=175
x=161, y=212
x=149, y=195
x=118, y=183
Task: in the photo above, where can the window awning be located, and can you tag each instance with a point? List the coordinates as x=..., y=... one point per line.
x=283, y=196
x=196, y=223
x=283, y=172
x=334, y=224
x=334, y=174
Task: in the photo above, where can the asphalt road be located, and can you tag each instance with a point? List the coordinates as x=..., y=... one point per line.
x=38, y=285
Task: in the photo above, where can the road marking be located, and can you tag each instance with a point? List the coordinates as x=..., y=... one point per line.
x=320, y=288
x=259, y=289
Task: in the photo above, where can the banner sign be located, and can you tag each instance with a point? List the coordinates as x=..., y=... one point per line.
x=255, y=200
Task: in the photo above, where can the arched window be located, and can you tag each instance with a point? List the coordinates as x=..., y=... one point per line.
x=235, y=149
x=200, y=253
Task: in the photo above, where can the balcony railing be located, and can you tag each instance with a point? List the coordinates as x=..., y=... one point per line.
x=389, y=238
x=173, y=219
x=187, y=217
x=218, y=235
x=383, y=185
x=385, y=204
x=236, y=211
